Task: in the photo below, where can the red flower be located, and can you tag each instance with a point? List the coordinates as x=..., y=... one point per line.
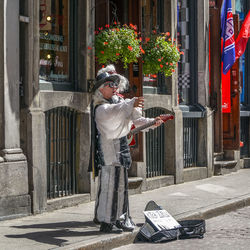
x=117, y=54
x=166, y=63
x=130, y=48
x=115, y=22
x=171, y=64
x=103, y=66
x=161, y=65
x=154, y=76
x=133, y=26
x=105, y=43
x=154, y=31
x=89, y=47
x=147, y=39
x=100, y=28
x=107, y=25
x=102, y=52
x=142, y=51
x=159, y=60
x=173, y=70
x=169, y=39
x=182, y=53
x=167, y=33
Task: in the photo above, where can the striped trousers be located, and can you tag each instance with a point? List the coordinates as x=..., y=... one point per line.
x=112, y=194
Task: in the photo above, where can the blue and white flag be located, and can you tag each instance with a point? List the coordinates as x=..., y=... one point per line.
x=227, y=35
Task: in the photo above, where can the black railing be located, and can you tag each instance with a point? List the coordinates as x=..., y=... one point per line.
x=244, y=136
x=155, y=146
x=61, y=152
x=190, y=128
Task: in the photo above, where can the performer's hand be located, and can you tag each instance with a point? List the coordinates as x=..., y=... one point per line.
x=139, y=102
x=159, y=121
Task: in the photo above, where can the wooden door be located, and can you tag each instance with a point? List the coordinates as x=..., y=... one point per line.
x=231, y=121
x=215, y=76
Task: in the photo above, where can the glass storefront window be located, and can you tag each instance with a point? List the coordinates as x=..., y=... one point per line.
x=240, y=9
x=54, y=41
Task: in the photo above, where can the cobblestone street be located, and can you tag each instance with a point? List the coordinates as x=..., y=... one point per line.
x=226, y=232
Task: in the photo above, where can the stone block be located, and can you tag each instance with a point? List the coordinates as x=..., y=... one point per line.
x=13, y=178
x=14, y=206
x=193, y=174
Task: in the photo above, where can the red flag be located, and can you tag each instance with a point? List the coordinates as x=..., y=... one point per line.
x=241, y=41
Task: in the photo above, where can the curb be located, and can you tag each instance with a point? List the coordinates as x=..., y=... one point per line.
x=128, y=238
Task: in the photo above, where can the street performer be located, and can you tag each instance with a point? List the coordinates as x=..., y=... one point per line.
x=112, y=118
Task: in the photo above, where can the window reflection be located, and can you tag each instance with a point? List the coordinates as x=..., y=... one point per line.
x=54, y=41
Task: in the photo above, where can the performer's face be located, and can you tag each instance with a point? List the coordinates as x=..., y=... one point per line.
x=108, y=91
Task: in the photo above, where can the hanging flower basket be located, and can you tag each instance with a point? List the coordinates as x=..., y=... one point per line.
x=117, y=43
x=161, y=55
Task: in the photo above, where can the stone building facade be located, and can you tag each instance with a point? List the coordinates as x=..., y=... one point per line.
x=46, y=67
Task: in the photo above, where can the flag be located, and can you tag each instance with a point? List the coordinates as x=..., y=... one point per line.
x=241, y=41
x=227, y=36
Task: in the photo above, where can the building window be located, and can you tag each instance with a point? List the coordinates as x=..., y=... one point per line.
x=57, y=43
x=241, y=8
x=186, y=37
x=153, y=19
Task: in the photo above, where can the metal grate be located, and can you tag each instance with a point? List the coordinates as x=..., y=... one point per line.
x=190, y=128
x=244, y=136
x=155, y=146
x=61, y=152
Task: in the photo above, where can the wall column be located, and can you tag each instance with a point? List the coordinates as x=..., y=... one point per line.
x=13, y=164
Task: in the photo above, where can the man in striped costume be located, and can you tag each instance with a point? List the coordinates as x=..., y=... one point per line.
x=113, y=117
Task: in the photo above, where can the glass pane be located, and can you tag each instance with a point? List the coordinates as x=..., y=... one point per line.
x=54, y=41
x=149, y=23
x=183, y=33
x=153, y=19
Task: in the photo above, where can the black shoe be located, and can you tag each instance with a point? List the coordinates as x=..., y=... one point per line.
x=125, y=228
x=109, y=228
x=96, y=221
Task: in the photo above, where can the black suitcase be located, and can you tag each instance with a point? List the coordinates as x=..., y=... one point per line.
x=189, y=229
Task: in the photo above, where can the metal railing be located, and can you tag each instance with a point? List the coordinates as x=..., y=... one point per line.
x=244, y=136
x=190, y=134
x=61, y=152
x=155, y=146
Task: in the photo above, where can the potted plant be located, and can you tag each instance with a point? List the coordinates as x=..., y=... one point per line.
x=161, y=55
x=117, y=43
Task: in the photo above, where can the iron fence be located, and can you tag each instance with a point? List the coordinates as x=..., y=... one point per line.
x=61, y=152
x=155, y=146
x=190, y=128
x=244, y=136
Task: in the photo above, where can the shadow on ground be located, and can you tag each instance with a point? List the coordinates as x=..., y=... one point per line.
x=57, y=237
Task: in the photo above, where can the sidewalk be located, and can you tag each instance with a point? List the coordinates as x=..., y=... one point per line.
x=72, y=228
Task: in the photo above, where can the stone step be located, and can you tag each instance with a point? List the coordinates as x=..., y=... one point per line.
x=218, y=156
x=135, y=185
x=225, y=167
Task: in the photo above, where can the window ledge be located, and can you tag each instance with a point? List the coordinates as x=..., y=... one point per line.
x=193, y=111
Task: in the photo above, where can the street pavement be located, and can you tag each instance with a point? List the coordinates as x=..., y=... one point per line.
x=72, y=228
x=230, y=231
